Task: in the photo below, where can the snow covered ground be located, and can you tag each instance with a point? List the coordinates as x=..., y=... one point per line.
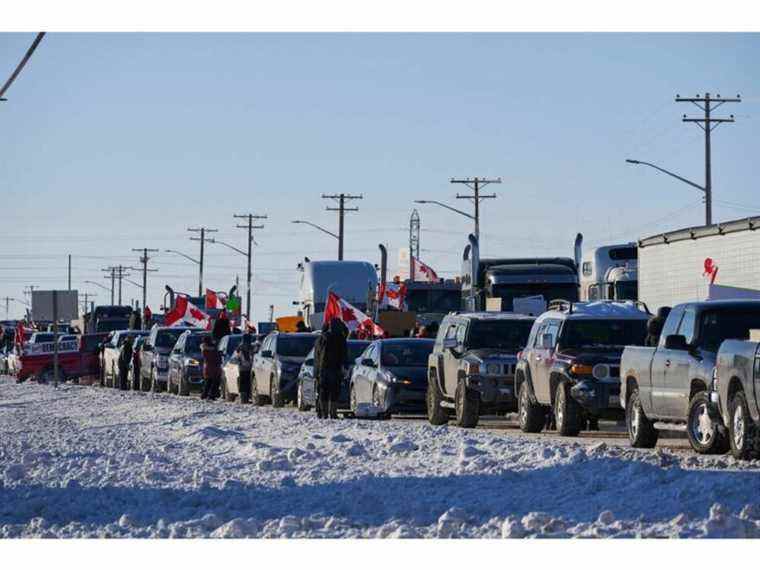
x=82, y=461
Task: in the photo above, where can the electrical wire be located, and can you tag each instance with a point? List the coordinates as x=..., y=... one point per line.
x=21, y=64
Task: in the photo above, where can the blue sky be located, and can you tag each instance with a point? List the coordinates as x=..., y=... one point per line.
x=115, y=141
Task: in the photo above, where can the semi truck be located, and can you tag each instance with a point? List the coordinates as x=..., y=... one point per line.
x=104, y=318
x=700, y=263
x=519, y=285
x=609, y=273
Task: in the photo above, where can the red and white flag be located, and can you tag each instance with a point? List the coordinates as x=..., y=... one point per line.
x=710, y=270
x=422, y=272
x=185, y=313
x=215, y=299
x=392, y=295
x=352, y=317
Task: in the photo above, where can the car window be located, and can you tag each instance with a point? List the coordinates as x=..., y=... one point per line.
x=671, y=324
x=539, y=333
x=504, y=334
x=552, y=328
x=295, y=345
x=401, y=353
x=452, y=331
x=688, y=323
x=721, y=324
x=461, y=333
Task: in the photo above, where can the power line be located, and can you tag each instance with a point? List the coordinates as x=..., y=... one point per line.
x=203, y=231
x=250, y=227
x=21, y=65
x=144, y=260
x=342, y=209
x=476, y=184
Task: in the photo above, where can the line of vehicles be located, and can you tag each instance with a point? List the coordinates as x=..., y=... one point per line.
x=561, y=341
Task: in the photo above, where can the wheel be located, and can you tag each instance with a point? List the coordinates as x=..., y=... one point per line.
x=437, y=415
x=532, y=416
x=566, y=411
x=641, y=432
x=300, y=404
x=702, y=429
x=183, y=389
x=154, y=387
x=256, y=398
x=742, y=431
x=276, y=396
x=466, y=406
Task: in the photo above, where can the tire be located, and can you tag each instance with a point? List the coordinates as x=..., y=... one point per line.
x=466, y=406
x=154, y=386
x=532, y=416
x=275, y=395
x=437, y=415
x=705, y=435
x=742, y=431
x=641, y=432
x=300, y=404
x=182, y=389
x=256, y=398
x=352, y=399
x=566, y=411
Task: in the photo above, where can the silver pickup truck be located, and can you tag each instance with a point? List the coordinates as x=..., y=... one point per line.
x=668, y=387
x=737, y=387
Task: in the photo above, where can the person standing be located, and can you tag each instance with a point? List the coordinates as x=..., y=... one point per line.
x=125, y=357
x=245, y=364
x=212, y=369
x=318, y=349
x=331, y=362
x=221, y=327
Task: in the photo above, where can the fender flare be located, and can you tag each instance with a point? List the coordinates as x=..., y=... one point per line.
x=528, y=379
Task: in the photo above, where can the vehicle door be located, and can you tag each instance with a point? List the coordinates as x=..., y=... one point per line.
x=448, y=334
x=374, y=371
x=452, y=358
x=361, y=375
x=258, y=364
x=111, y=354
x=146, y=355
x=656, y=389
x=542, y=359
x=677, y=380
x=175, y=360
x=230, y=373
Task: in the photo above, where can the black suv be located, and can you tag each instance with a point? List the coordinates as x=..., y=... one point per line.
x=471, y=370
x=276, y=366
x=571, y=364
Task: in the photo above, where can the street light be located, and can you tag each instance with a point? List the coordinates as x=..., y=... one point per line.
x=320, y=228
x=183, y=255
x=708, y=196
x=461, y=212
x=98, y=285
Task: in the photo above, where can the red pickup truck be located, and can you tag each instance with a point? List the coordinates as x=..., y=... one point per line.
x=76, y=359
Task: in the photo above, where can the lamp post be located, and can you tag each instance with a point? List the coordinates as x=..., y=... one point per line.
x=323, y=230
x=460, y=212
x=708, y=195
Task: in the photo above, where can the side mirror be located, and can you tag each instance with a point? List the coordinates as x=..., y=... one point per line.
x=676, y=342
x=368, y=362
x=547, y=341
x=449, y=343
x=266, y=353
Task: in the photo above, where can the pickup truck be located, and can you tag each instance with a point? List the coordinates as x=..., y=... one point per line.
x=668, y=387
x=111, y=353
x=735, y=387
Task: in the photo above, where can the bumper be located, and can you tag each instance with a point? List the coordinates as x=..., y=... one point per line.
x=494, y=390
x=405, y=398
x=289, y=387
x=597, y=396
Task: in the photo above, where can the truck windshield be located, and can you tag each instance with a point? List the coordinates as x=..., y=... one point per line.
x=406, y=353
x=602, y=333
x=296, y=345
x=510, y=335
x=626, y=291
x=433, y=301
x=734, y=323
x=549, y=291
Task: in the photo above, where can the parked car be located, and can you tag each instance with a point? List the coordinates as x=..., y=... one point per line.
x=186, y=364
x=306, y=397
x=737, y=374
x=472, y=367
x=276, y=367
x=230, y=372
x=111, y=353
x=154, y=356
x=133, y=374
x=571, y=364
x=391, y=376
x=668, y=386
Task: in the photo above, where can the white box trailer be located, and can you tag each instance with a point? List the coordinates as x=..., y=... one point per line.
x=674, y=267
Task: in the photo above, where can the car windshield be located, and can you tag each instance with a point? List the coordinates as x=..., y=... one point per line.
x=734, y=323
x=413, y=353
x=506, y=334
x=549, y=291
x=193, y=343
x=355, y=348
x=590, y=333
x=295, y=345
x=167, y=338
x=433, y=301
x=626, y=290
x=232, y=343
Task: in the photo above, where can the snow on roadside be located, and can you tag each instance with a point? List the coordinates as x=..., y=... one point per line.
x=83, y=461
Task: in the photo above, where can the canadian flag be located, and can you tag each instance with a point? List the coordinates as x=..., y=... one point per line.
x=710, y=270
x=184, y=312
x=352, y=317
x=392, y=295
x=422, y=272
x=215, y=299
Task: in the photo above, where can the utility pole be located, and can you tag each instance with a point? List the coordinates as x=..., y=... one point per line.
x=476, y=184
x=707, y=124
x=250, y=227
x=203, y=231
x=144, y=260
x=342, y=209
x=414, y=241
x=69, y=272
x=7, y=306
x=271, y=313
x=117, y=272
x=87, y=296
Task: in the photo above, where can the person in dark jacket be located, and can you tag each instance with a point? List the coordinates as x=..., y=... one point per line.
x=136, y=368
x=125, y=357
x=212, y=369
x=332, y=358
x=654, y=326
x=245, y=364
x=221, y=327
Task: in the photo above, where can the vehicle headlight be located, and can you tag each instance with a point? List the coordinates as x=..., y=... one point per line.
x=600, y=371
x=493, y=369
x=472, y=367
x=192, y=362
x=581, y=369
